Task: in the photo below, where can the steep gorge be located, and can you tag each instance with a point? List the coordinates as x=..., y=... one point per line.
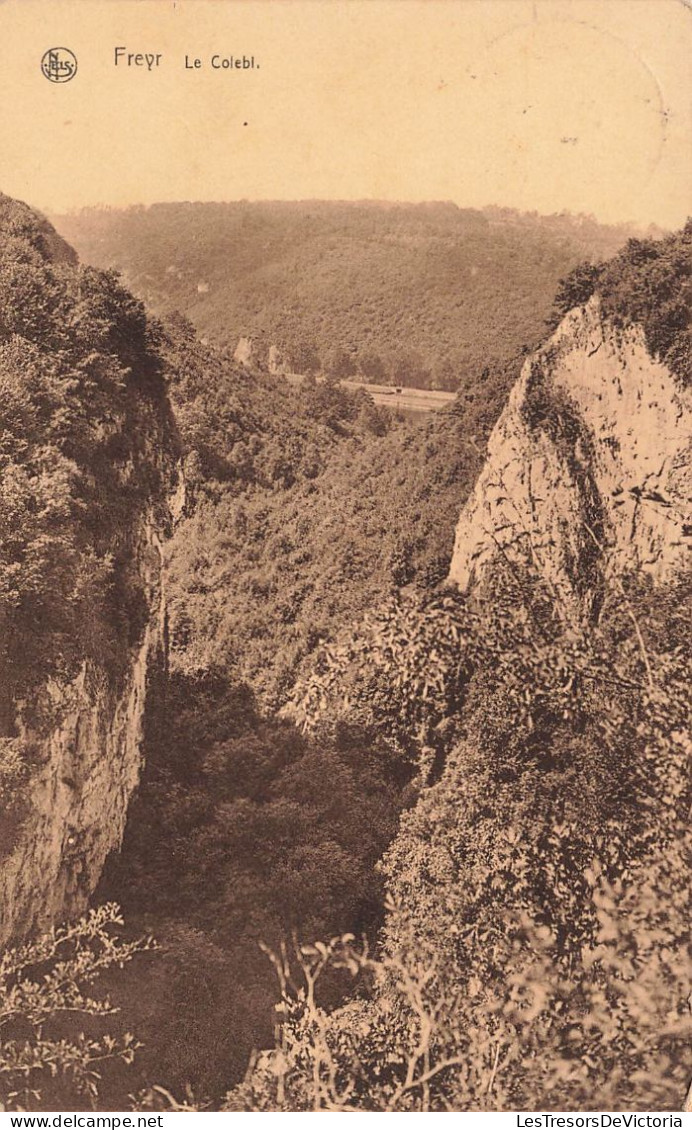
x=244, y=829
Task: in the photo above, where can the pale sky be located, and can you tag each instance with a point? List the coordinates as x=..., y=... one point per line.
x=583, y=105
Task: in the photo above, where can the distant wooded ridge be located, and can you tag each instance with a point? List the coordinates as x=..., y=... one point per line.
x=415, y=295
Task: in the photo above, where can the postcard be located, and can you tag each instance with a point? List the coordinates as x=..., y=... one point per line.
x=345, y=526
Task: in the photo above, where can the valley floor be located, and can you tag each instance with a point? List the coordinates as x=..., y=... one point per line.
x=418, y=400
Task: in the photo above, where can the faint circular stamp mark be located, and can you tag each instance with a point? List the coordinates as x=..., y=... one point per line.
x=59, y=64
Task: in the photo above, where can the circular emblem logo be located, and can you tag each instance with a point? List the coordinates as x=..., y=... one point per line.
x=59, y=64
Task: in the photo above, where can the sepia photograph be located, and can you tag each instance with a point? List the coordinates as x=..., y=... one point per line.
x=345, y=560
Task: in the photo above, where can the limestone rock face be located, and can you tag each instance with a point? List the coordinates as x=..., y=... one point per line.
x=275, y=360
x=589, y=468
x=245, y=351
x=96, y=432
x=86, y=769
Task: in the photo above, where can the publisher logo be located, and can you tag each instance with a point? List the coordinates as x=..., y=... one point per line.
x=59, y=64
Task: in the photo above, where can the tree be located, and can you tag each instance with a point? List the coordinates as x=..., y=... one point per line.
x=303, y=358
x=371, y=366
x=575, y=289
x=444, y=376
x=340, y=364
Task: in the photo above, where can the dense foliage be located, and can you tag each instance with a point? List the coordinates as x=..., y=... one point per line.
x=536, y=950
x=649, y=283
x=240, y=830
x=538, y=747
x=84, y=435
x=243, y=831
x=417, y=295
x=306, y=506
x=45, y=989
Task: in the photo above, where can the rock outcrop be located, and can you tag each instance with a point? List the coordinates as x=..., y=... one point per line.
x=245, y=352
x=589, y=468
x=87, y=767
x=89, y=484
x=276, y=362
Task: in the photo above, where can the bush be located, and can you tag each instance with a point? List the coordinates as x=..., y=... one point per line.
x=609, y=1031
x=648, y=283
x=42, y=983
x=82, y=409
x=15, y=774
x=575, y=289
x=538, y=888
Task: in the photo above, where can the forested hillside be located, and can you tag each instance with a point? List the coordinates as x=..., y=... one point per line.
x=87, y=461
x=422, y=295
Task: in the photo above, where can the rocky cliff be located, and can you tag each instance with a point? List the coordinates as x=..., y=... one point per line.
x=588, y=468
x=87, y=471
x=86, y=768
